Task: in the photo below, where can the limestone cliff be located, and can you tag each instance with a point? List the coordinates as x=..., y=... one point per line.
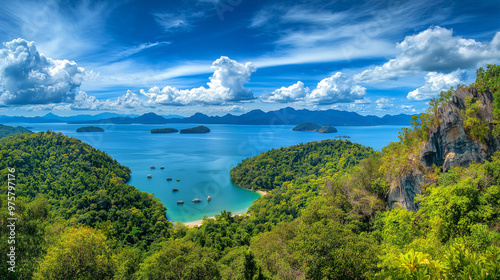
x=449, y=145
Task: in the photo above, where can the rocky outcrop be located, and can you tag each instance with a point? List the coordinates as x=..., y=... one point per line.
x=448, y=146
x=404, y=191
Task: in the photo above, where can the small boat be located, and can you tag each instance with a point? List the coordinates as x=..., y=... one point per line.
x=209, y=198
x=177, y=180
x=180, y=202
x=175, y=190
x=196, y=200
x=150, y=176
x=169, y=179
x=152, y=167
x=162, y=167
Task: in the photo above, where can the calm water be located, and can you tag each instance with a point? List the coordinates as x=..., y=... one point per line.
x=202, y=161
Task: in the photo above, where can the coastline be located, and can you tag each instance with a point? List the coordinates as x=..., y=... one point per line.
x=261, y=192
x=198, y=223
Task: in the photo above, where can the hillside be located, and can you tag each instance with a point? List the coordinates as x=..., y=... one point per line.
x=6, y=130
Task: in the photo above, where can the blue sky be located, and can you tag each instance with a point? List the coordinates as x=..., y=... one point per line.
x=232, y=56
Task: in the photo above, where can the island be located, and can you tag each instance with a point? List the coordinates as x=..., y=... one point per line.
x=198, y=129
x=327, y=129
x=90, y=129
x=311, y=127
x=164, y=130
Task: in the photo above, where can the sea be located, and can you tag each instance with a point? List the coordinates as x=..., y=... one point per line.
x=201, y=162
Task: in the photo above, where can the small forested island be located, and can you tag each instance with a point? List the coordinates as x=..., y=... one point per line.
x=198, y=129
x=327, y=129
x=311, y=127
x=6, y=130
x=164, y=130
x=90, y=129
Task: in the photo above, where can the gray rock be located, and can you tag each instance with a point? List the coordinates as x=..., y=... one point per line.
x=448, y=146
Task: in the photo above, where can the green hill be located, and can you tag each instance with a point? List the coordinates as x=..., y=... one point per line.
x=6, y=130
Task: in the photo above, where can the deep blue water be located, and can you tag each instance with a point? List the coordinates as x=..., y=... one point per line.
x=202, y=161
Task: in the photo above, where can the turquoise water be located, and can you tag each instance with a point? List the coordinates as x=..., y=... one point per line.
x=202, y=161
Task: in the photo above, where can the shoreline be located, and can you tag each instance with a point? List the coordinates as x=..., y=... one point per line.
x=198, y=223
x=261, y=192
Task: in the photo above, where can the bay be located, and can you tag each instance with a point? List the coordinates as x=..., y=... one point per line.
x=202, y=162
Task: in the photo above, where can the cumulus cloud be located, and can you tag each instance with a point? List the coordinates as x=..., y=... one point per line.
x=292, y=93
x=435, y=49
x=225, y=86
x=435, y=83
x=384, y=104
x=336, y=89
x=28, y=77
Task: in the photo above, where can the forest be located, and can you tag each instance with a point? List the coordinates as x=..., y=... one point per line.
x=325, y=215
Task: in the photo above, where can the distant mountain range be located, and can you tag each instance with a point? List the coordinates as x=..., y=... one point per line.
x=285, y=116
x=52, y=118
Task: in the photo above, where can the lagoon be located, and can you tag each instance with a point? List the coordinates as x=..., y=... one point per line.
x=202, y=162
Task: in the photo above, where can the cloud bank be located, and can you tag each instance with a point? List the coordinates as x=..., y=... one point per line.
x=28, y=77
x=335, y=89
x=435, y=83
x=435, y=50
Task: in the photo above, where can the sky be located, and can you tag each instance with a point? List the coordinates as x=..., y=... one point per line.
x=233, y=56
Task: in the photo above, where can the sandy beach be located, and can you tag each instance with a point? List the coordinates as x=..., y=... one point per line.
x=199, y=222
x=261, y=192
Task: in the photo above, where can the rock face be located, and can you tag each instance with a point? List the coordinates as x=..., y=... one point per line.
x=448, y=146
x=406, y=189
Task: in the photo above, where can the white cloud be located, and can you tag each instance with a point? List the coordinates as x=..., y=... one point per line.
x=353, y=107
x=336, y=89
x=292, y=93
x=408, y=108
x=363, y=101
x=435, y=83
x=384, y=104
x=435, y=49
x=225, y=86
x=28, y=77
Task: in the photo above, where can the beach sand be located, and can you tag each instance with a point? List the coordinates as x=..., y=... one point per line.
x=199, y=222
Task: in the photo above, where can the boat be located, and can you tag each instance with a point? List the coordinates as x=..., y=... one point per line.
x=175, y=190
x=177, y=180
x=169, y=179
x=180, y=202
x=162, y=167
x=196, y=200
x=150, y=176
x=209, y=198
x=152, y=167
